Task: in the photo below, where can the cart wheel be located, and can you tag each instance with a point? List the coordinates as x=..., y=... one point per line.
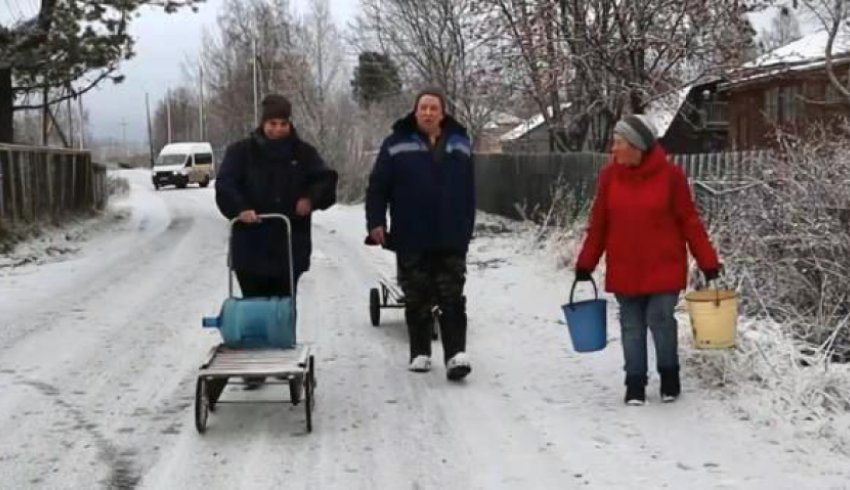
x=375, y=306
x=309, y=395
x=295, y=391
x=202, y=405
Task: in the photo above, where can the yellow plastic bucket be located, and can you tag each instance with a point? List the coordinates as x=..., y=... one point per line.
x=714, y=317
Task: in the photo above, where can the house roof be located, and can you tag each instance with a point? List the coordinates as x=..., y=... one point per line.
x=498, y=119
x=663, y=110
x=806, y=53
x=529, y=125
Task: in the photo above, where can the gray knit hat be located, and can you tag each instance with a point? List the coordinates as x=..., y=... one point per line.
x=638, y=130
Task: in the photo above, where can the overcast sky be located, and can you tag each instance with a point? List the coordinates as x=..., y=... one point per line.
x=163, y=42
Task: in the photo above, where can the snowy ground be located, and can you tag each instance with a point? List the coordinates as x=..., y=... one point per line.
x=99, y=351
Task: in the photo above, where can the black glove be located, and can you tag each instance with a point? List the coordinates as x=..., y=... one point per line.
x=583, y=275
x=712, y=274
x=388, y=242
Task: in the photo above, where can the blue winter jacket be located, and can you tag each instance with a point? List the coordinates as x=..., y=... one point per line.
x=430, y=192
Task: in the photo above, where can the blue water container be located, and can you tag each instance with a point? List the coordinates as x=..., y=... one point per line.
x=252, y=323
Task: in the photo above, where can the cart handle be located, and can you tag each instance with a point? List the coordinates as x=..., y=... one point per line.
x=288, y=224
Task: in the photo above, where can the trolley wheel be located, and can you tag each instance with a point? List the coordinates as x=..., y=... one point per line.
x=309, y=394
x=295, y=390
x=202, y=405
x=375, y=306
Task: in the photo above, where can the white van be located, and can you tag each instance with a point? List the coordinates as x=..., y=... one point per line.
x=181, y=164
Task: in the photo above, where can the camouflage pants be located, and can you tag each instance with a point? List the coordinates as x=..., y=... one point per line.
x=430, y=278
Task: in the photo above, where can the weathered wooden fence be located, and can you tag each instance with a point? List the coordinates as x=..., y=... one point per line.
x=45, y=184
x=504, y=181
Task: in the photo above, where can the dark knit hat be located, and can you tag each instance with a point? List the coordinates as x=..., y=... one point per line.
x=275, y=106
x=638, y=130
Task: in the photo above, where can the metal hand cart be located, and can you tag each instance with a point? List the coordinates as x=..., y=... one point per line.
x=389, y=295
x=294, y=367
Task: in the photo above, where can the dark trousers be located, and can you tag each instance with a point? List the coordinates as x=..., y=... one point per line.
x=426, y=278
x=255, y=286
x=653, y=312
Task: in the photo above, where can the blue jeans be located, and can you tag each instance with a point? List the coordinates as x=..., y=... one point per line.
x=655, y=312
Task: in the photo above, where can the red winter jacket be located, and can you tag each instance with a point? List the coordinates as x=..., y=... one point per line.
x=642, y=217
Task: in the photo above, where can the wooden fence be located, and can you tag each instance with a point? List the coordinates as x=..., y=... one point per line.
x=46, y=184
x=504, y=181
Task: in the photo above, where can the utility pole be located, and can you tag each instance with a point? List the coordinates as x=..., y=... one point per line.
x=124, y=137
x=168, y=113
x=256, y=104
x=82, y=124
x=70, y=117
x=150, y=133
x=45, y=114
x=7, y=100
x=201, y=127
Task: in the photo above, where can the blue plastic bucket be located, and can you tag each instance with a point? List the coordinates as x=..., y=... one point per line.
x=587, y=321
x=253, y=323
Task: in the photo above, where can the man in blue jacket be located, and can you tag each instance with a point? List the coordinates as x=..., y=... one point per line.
x=272, y=171
x=424, y=174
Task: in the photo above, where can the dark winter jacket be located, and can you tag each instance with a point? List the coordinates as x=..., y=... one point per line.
x=644, y=219
x=269, y=176
x=430, y=192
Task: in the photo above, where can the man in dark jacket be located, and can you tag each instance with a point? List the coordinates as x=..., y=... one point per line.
x=272, y=171
x=424, y=174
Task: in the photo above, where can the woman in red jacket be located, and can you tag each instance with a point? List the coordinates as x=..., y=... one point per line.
x=642, y=219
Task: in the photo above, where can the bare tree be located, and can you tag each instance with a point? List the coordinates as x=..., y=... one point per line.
x=321, y=42
x=63, y=126
x=262, y=43
x=833, y=17
x=252, y=37
x=325, y=112
x=609, y=57
x=530, y=43
x=441, y=43
x=177, y=112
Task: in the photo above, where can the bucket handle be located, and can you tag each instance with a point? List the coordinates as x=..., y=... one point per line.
x=716, y=289
x=573, y=291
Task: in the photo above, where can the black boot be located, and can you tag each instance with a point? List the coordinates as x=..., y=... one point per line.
x=635, y=390
x=671, y=388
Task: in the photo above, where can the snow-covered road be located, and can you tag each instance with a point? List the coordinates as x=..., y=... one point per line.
x=99, y=352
